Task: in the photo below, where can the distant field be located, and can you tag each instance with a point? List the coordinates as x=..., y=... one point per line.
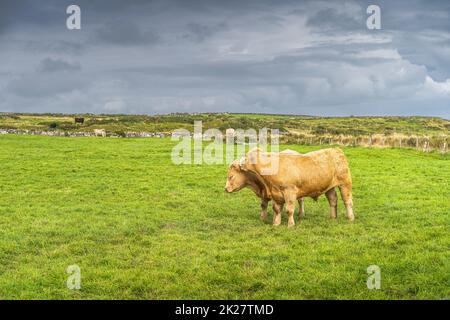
x=354, y=126
x=140, y=227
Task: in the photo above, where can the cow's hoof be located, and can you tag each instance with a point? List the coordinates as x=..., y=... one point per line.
x=351, y=218
x=290, y=225
x=263, y=218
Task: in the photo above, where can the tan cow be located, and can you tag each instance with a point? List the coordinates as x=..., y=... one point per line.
x=100, y=132
x=298, y=176
x=239, y=179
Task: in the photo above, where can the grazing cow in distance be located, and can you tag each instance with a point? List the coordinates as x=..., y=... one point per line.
x=298, y=175
x=239, y=179
x=100, y=132
x=79, y=120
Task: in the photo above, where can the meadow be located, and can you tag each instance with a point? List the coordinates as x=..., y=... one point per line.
x=140, y=227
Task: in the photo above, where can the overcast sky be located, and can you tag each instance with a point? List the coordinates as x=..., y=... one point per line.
x=297, y=57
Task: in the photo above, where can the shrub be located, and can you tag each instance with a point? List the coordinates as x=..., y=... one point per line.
x=53, y=125
x=120, y=133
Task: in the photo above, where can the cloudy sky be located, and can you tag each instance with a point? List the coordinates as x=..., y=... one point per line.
x=296, y=57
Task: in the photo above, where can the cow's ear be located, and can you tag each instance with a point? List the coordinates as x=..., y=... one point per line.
x=243, y=164
x=235, y=164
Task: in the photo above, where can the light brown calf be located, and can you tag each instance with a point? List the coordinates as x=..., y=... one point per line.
x=238, y=179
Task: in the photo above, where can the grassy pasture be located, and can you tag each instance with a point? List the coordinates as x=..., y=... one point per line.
x=140, y=227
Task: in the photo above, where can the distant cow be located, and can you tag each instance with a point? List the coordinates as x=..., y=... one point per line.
x=298, y=176
x=79, y=120
x=239, y=179
x=100, y=132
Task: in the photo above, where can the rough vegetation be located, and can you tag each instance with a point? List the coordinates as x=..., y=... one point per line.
x=422, y=133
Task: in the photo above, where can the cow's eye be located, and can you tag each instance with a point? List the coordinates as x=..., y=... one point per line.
x=231, y=177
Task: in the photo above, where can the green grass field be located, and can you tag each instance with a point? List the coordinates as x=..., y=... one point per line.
x=140, y=227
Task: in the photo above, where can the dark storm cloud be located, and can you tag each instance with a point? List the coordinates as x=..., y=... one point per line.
x=314, y=57
x=416, y=15
x=39, y=86
x=56, y=46
x=8, y=13
x=199, y=32
x=57, y=65
x=123, y=32
x=330, y=19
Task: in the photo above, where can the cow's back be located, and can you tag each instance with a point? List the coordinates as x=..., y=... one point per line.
x=310, y=174
x=330, y=162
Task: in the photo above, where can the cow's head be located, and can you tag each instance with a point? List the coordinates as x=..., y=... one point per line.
x=236, y=177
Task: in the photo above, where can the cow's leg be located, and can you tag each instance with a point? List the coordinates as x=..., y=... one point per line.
x=301, y=208
x=332, y=200
x=346, y=194
x=264, y=204
x=290, y=198
x=277, y=207
x=290, y=208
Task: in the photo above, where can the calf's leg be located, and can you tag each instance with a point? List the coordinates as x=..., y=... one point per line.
x=346, y=194
x=301, y=208
x=332, y=200
x=264, y=204
x=277, y=207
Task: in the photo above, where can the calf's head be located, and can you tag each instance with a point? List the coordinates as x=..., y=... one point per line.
x=236, y=177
